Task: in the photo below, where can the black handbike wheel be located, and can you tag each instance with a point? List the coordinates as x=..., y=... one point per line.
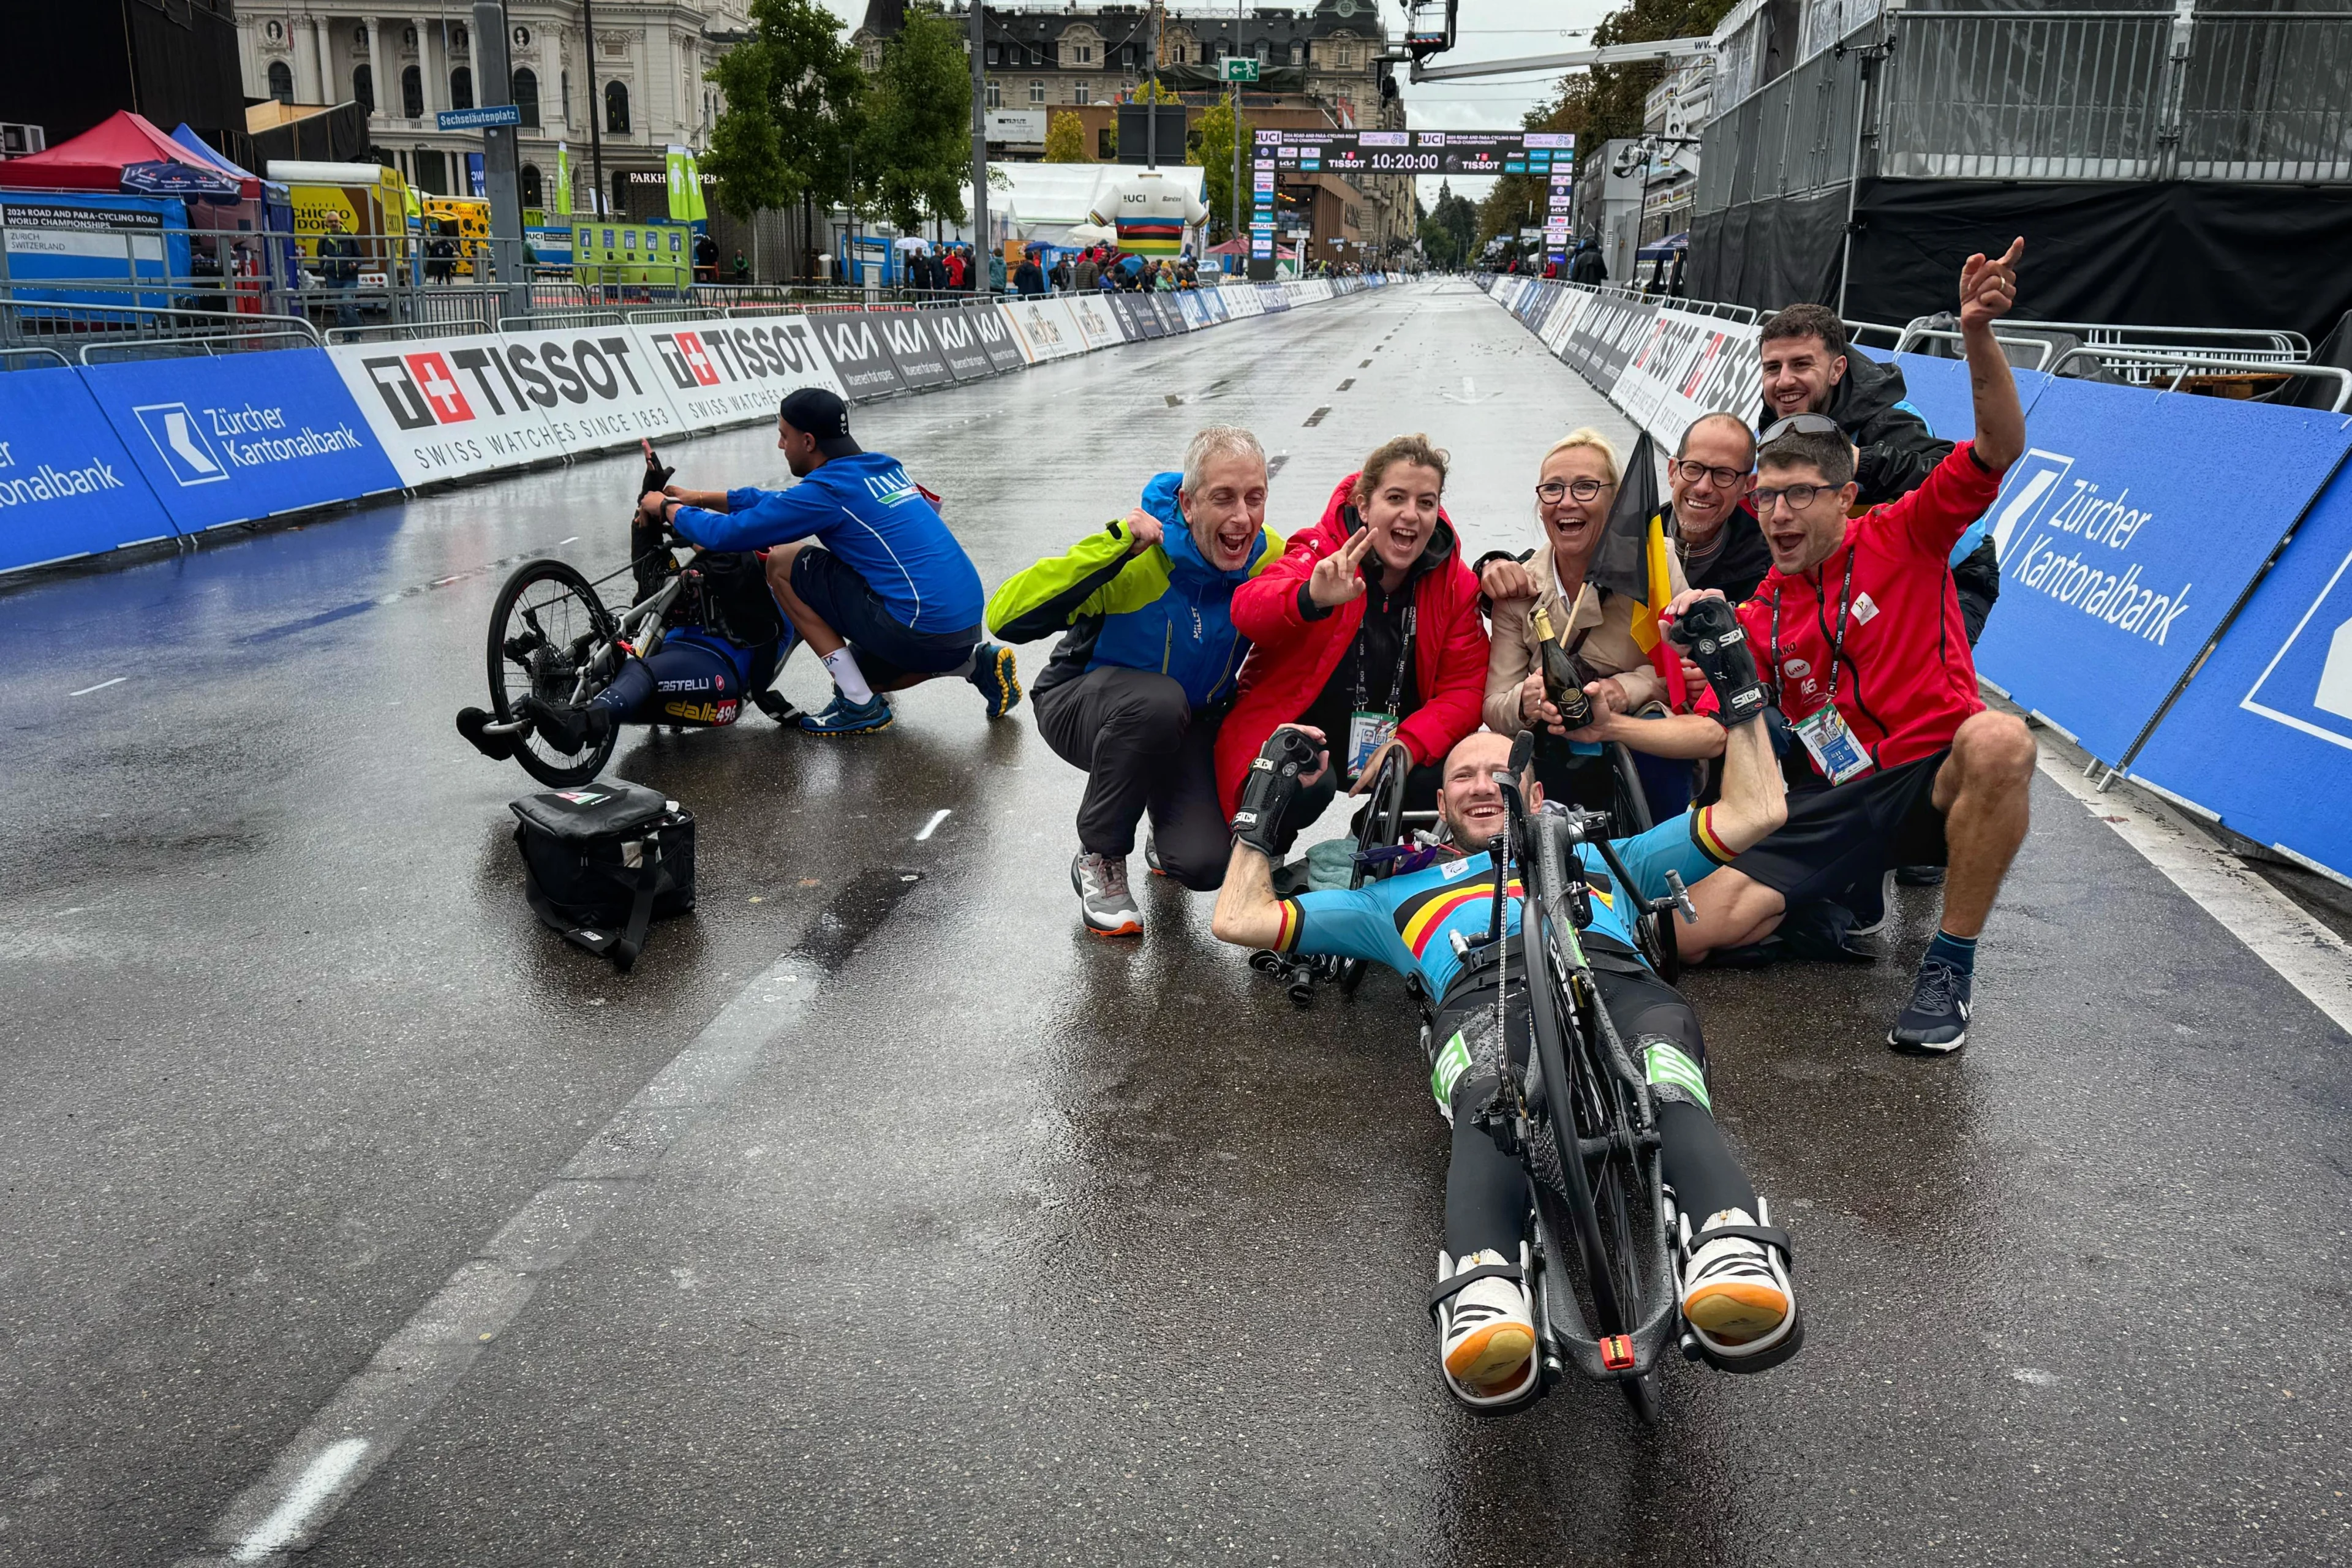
x=546, y=624
x=1384, y=826
x=1570, y=1203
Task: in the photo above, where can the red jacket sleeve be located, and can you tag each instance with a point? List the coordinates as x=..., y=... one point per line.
x=1450, y=704
x=1931, y=519
x=1266, y=608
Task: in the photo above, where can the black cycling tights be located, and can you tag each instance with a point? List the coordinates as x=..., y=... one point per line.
x=1487, y=1190
x=682, y=681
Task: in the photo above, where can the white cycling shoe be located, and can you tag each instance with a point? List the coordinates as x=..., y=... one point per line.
x=1485, y=1330
x=1736, y=1298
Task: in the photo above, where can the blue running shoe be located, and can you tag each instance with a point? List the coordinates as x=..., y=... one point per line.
x=998, y=675
x=842, y=717
x=1937, y=1020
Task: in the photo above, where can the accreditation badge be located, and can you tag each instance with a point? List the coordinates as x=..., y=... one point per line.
x=1831, y=745
x=1367, y=733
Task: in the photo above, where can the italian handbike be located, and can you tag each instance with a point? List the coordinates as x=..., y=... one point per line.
x=554, y=647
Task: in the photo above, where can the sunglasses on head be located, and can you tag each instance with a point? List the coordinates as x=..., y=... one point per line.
x=1800, y=425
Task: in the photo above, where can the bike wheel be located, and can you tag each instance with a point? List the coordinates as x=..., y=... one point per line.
x=545, y=630
x=1590, y=1201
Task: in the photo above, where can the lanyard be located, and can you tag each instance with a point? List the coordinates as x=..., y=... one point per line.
x=1837, y=644
x=1404, y=653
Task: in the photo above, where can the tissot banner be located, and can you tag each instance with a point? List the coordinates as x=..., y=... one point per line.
x=735, y=370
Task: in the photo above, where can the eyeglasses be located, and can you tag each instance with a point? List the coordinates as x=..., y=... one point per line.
x=1800, y=425
x=1554, y=491
x=1693, y=470
x=1799, y=496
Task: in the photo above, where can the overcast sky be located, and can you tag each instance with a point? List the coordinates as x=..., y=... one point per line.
x=1486, y=29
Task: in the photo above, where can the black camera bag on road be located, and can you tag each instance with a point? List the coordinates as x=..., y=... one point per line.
x=603, y=861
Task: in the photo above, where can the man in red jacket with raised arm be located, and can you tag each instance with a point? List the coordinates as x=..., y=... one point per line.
x=1367, y=632
x=1858, y=628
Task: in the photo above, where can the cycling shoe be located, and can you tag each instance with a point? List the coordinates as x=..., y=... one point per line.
x=566, y=728
x=470, y=724
x=1738, y=1301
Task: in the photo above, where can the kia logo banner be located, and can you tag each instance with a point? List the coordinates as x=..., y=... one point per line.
x=921, y=365
x=958, y=345
x=987, y=323
x=852, y=341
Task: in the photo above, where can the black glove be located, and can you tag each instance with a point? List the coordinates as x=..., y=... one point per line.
x=1271, y=786
x=1710, y=633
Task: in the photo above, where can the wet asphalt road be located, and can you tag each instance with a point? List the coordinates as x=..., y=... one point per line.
x=1018, y=1247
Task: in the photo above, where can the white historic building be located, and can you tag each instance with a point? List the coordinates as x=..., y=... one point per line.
x=644, y=90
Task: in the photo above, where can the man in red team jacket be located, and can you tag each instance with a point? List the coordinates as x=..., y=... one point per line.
x=1858, y=627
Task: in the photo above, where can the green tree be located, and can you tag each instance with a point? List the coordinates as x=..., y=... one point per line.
x=916, y=151
x=1458, y=218
x=1212, y=154
x=794, y=106
x=1066, y=139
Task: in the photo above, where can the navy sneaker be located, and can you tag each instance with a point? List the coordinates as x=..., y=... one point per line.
x=842, y=717
x=1937, y=1020
x=1919, y=876
x=998, y=675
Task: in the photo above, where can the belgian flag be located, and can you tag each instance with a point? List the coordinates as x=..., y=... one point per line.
x=1631, y=560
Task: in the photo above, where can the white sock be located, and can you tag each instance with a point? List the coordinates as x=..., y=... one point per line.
x=842, y=665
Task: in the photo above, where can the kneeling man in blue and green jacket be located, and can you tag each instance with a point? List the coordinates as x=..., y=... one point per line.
x=1145, y=668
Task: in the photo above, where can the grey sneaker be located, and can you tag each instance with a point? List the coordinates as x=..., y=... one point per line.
x=1103, y=898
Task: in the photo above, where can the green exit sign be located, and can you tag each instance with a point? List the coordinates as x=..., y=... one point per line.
x=1238, y=68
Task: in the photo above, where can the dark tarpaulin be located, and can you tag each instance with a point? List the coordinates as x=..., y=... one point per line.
x=2175, y=253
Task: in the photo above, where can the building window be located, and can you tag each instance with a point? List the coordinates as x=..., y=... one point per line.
x=1181, y=55
x=995, y=93
x=526, y=96
x=1261, y=51
x=1079, y=94
x=1082, y=54
x=412, y=93
x=1297, y=52
x=461, y=88
x=620, y=207
x=363, y=88
x=871, y=58
x=564, y=82
x=996, y=53
x=616, y=108
x=282, y=81
x=1036, y=92
x=530, y=186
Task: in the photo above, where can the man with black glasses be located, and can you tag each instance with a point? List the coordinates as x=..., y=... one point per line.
x=1860, y=633
x=1712, y=472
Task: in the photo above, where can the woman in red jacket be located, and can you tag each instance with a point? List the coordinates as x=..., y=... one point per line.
x=1366, y=630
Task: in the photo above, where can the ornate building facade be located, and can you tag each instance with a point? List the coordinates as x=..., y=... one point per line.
x=1323, y=64
x=641, y=79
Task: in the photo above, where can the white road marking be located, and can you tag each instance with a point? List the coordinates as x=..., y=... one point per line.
x=365, y=1420
x=562, y=543
x=315, y=1486
x=933, y=825
x=99, y=687
x=2306, y=954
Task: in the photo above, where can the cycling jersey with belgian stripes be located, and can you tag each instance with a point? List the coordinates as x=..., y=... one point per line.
x=1409, y=923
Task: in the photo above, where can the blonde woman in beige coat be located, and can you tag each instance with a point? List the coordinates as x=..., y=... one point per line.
x=1575, y=487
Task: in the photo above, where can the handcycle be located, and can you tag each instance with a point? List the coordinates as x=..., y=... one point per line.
x=552, y=638
x=1605, y=1283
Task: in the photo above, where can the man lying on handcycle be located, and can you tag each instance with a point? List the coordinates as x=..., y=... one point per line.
x=1433, y=926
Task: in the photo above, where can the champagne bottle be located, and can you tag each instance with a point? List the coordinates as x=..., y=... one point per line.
x=1563, y=679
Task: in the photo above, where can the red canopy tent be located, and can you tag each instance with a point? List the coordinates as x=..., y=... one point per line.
x=94, y=161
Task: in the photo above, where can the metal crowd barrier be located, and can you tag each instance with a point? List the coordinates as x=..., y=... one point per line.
x=2151, y=361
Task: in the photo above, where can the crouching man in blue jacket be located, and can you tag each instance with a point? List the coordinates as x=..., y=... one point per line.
x=861, y=565
x=1145, y=668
